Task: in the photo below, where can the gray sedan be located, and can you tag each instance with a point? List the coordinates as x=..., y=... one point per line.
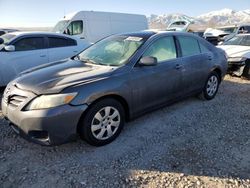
x=111, y=82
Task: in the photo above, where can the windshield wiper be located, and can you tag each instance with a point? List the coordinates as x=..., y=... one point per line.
x=93, y=62
x=88, y=61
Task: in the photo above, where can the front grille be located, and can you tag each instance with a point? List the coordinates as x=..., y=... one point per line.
x=15, y=100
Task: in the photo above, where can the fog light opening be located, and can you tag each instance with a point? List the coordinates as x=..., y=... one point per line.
x=38, y=134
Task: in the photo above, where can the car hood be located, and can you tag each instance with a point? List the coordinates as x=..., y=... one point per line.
x=236, y=50
x=56, y=76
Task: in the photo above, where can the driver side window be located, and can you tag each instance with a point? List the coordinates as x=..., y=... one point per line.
x=75, y=28
x=163, y=49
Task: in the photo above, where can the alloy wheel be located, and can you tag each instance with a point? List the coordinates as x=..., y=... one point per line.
x=105, y=123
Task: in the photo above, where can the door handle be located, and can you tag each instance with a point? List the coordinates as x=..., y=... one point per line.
x=178, y=66
x=209, y=57
x=75, y=51
x=42, y=55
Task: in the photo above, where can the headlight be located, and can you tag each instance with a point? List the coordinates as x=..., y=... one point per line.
x=50, y=101
x=236, y=59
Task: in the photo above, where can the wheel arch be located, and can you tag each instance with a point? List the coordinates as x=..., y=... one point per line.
x=117, y=97
x=218, y=71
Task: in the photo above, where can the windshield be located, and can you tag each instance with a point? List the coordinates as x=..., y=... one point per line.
x=113, y=51
x=243, y=40
x=228, y=29
x=7, y=38
x=60, y=26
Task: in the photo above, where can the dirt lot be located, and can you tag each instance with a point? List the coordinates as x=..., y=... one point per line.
x=192, y=143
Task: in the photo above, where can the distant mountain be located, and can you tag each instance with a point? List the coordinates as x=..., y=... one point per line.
x=211, y=19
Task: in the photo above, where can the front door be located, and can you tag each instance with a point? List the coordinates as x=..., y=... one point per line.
x=155, y=85
x=29, y=52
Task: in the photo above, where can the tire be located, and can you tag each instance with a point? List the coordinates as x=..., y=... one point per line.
x=103, y=122
x=246, y=71
x=211, y=87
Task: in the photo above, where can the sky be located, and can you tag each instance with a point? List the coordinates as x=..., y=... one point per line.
x=42, y=13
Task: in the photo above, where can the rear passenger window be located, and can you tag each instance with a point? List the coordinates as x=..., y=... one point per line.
x=189, y=46
x=163, y=49
x=55, y=42
x=31, y=43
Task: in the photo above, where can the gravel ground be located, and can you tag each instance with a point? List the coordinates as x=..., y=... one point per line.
x=192, y=143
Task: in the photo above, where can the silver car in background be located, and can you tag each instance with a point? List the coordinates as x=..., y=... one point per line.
x=20, y=51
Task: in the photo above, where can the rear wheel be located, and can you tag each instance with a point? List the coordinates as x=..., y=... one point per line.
x=211, y=87
x=103, y=122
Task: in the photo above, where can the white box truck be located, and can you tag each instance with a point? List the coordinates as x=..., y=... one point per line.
x=93, y=26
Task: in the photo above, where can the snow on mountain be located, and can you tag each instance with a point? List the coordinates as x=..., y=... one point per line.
x=211, y=19
x=226, y=16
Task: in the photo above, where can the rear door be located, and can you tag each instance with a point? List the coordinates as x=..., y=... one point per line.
x=29, y=52
x=196, y=63
x=61, y=48
x=155, y=85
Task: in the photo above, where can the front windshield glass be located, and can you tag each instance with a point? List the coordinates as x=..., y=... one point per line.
x=60, y=26
x=7, y=38
x=228, y=29
x=113, y=51
x=242, y=40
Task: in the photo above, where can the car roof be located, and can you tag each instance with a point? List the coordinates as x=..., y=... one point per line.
x=6, y=29
x=146, y=34
x=23, y=33
x=142, y=34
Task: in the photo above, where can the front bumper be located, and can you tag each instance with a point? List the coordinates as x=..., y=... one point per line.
x=236, y=68
x=48, y=126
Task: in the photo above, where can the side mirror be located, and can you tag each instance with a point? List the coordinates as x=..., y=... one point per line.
x=148, y=61
x=1, y=41
x=10, y=48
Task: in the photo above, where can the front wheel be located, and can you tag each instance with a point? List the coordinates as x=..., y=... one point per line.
x=211, y=87
x=102, y=123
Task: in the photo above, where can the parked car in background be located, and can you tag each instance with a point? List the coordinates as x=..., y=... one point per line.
x=238, y=55
x=215, y=35
x=92, y=26
x=186, y=25
x=241, y=29
x=179, y=25
x=23, y=50
x=114, y=80
x=4, y=31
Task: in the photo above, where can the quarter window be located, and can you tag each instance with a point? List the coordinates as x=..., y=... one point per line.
x=163, y=49
x=32, y=43
x=55, y=42
x=189, y=46
x=75, y=28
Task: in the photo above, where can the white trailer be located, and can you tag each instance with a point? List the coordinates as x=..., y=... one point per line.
x=93, y=26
